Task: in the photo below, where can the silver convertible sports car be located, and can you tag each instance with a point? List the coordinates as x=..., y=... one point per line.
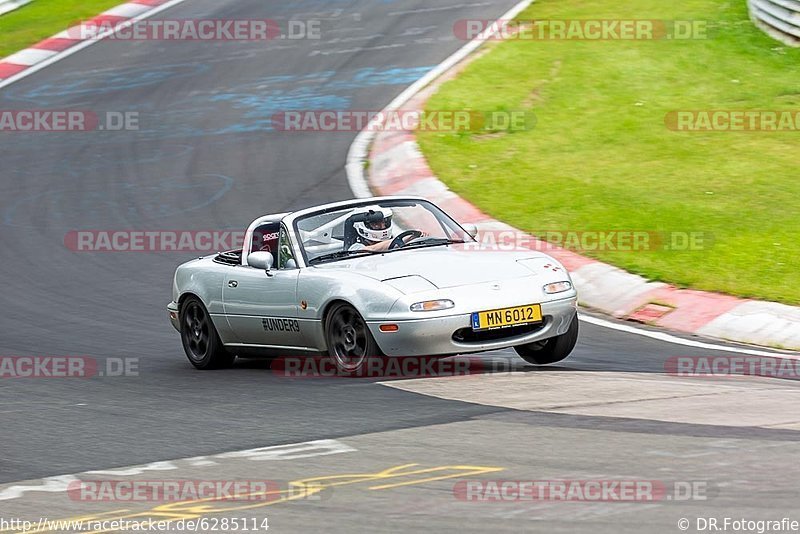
x=386, y=276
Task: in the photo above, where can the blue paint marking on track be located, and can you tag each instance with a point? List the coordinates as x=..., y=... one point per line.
x=105, y=81
x=250, y=106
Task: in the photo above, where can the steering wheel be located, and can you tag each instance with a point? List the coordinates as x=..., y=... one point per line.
x=398, y=241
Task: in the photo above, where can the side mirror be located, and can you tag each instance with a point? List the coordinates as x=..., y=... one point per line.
x=261, y=260
x=471, y=229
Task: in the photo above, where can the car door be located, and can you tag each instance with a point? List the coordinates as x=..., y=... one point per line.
x=262, y=307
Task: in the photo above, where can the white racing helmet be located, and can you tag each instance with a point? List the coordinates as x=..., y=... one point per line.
x=378, y=227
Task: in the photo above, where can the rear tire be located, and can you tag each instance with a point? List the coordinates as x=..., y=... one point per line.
x=350, y=343
x=200, y=340
x=550, y=350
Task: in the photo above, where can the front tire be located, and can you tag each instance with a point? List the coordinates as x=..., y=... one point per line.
x=350, y=343
x=550, y=350
x=200, y=340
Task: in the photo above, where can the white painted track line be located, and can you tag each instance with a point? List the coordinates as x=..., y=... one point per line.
x=667, y=338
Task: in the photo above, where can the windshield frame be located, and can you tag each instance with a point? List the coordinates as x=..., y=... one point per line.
x=391, y=202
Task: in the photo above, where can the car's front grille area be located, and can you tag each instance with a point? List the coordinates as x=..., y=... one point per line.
x=467, y=335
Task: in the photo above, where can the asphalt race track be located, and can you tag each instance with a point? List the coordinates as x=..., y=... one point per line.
x=204, y=158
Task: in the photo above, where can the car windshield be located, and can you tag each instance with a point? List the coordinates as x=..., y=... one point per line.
x=369, y=228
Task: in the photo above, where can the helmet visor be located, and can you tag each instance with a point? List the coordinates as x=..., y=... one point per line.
x=380, y=224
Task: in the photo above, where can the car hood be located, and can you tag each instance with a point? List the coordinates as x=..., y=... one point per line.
x=444, y=267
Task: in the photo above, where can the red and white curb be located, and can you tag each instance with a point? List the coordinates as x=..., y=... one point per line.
x=398, y=167
x=63, y=44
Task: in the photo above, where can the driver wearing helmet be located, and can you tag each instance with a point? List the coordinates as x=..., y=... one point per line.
x=375, y=233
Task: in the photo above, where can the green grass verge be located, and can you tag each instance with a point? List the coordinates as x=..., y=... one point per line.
x=600, y=156
x=44, y=18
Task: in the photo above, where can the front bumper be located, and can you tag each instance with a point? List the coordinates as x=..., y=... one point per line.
x=434, y=336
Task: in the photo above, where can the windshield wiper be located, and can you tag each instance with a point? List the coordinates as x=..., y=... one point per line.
x=339, y=255
x=433, y=242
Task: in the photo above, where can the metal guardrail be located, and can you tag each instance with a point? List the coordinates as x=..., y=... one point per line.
x=11, y=5
x=779, y=18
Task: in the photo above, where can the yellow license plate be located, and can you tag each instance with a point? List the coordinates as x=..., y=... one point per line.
x=517, y=316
